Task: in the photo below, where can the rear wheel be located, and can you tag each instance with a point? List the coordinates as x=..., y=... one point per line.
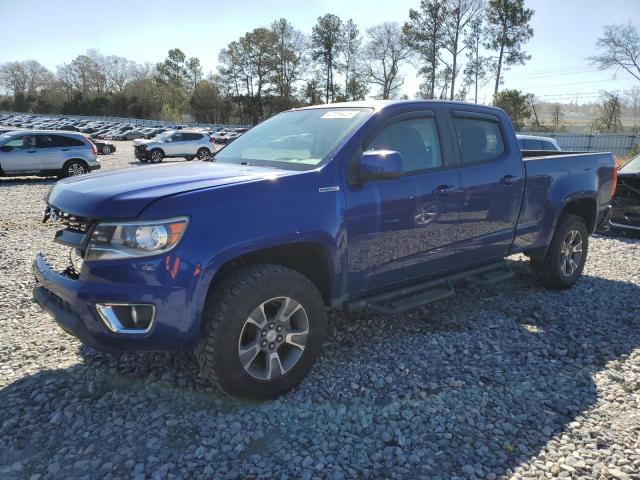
x=263, y=331
x=106, y=149
x=156, y=156
x=566, y=255
x=74, y=168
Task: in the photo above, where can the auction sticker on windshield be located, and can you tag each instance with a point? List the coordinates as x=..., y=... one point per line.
x=341, y=114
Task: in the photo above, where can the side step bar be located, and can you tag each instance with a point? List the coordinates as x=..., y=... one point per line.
x=415, y=296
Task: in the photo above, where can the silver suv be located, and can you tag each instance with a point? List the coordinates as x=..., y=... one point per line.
x=45, y=153
x=175, y=143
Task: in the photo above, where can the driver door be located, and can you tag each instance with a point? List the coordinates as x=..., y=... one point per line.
x=405, y=227
x=23, y=156
x=174, y=145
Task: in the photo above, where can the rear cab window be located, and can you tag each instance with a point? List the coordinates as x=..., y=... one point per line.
x=480, y=138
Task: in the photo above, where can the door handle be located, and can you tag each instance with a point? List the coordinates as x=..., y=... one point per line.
x=31, y=151
x=443, y=190
x=509, y=179
x=65, y=149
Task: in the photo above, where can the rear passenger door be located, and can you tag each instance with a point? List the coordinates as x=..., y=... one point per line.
x=405, y=227
x=492, y=182
x=191, y=142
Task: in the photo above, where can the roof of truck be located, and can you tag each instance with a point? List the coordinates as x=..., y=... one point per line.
x=380, y=104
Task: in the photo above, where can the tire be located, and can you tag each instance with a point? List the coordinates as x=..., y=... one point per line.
x=74, y=168
x=561, y=266
x=156, y=156
x=228, y=329
x=204, y=154
x=106, y=149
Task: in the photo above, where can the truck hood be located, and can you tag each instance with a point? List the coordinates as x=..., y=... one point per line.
x=125, y=193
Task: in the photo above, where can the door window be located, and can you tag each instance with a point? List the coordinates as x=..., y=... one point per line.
x=415, y=139
x=15, y=143
x=480, y=140
x=191, y=136
x=549, y=146
x=176, y=137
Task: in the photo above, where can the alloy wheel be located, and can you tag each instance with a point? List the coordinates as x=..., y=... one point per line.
x=571, y=253
x=273, y=338
x=75, y=169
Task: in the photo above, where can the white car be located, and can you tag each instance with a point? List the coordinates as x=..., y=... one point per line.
x=189, y=144
x=46, y=153
x=533, y=142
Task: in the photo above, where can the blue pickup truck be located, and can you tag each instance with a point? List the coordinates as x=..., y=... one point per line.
x=383, y=205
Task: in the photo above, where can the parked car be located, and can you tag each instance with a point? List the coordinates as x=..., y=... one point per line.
x=129, y=135
x=625, y=214
x=379, y=205
x=46, y=153
x=104, y=148
x=535, y=143
x=174, y=143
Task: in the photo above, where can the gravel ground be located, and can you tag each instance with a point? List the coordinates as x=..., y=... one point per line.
x=507, y=381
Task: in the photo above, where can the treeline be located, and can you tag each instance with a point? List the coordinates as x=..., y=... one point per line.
x=457, y=46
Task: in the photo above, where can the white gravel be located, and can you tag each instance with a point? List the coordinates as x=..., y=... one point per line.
x=507, y=381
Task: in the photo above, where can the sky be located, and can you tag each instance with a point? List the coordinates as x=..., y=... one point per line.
x=54, y=32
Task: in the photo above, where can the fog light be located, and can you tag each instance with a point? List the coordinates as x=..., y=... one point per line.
x=127, y=317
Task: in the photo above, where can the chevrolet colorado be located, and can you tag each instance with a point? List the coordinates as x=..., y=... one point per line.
x=384, y=205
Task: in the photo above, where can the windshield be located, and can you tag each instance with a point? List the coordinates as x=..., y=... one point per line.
x=295, y=140
x=633, y=166
x=161, y=137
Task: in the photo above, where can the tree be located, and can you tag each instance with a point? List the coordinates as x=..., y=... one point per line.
x=508, y=30
x=515, y=104
x=327, y=45
x=424, y=33
x=609, y=116
x=385, y=51
x=194, y=71
x=619, y=48
x=172, y=74
x=633, y=95
x=205, y=100
x=556, y=118
x=351, y=65
x=477, y=67
x=459, y=15
x=290, y=46
x=14, y=78
x=313, y=92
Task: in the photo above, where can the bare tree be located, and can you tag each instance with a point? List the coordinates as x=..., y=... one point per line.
x=14, y=78
x=556, y=117
x=385, y=51
x=609, y=118
x=619, y=48
x=459, y=15
x=634, y=99
x=351, y=52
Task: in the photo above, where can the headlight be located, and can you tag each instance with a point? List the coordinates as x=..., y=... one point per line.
x=115, y=240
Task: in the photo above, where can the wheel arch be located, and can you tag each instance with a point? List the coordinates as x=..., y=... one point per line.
x=310, y=258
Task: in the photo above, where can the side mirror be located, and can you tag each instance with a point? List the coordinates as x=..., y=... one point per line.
x=379, y=165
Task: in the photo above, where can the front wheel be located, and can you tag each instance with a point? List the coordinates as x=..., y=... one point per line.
x=204, y=154
x=156, y=156
x=264, y=328
x=566, y=255
x=106, y=150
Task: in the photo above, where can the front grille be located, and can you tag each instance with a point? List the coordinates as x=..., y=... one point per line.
x=75, y=223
